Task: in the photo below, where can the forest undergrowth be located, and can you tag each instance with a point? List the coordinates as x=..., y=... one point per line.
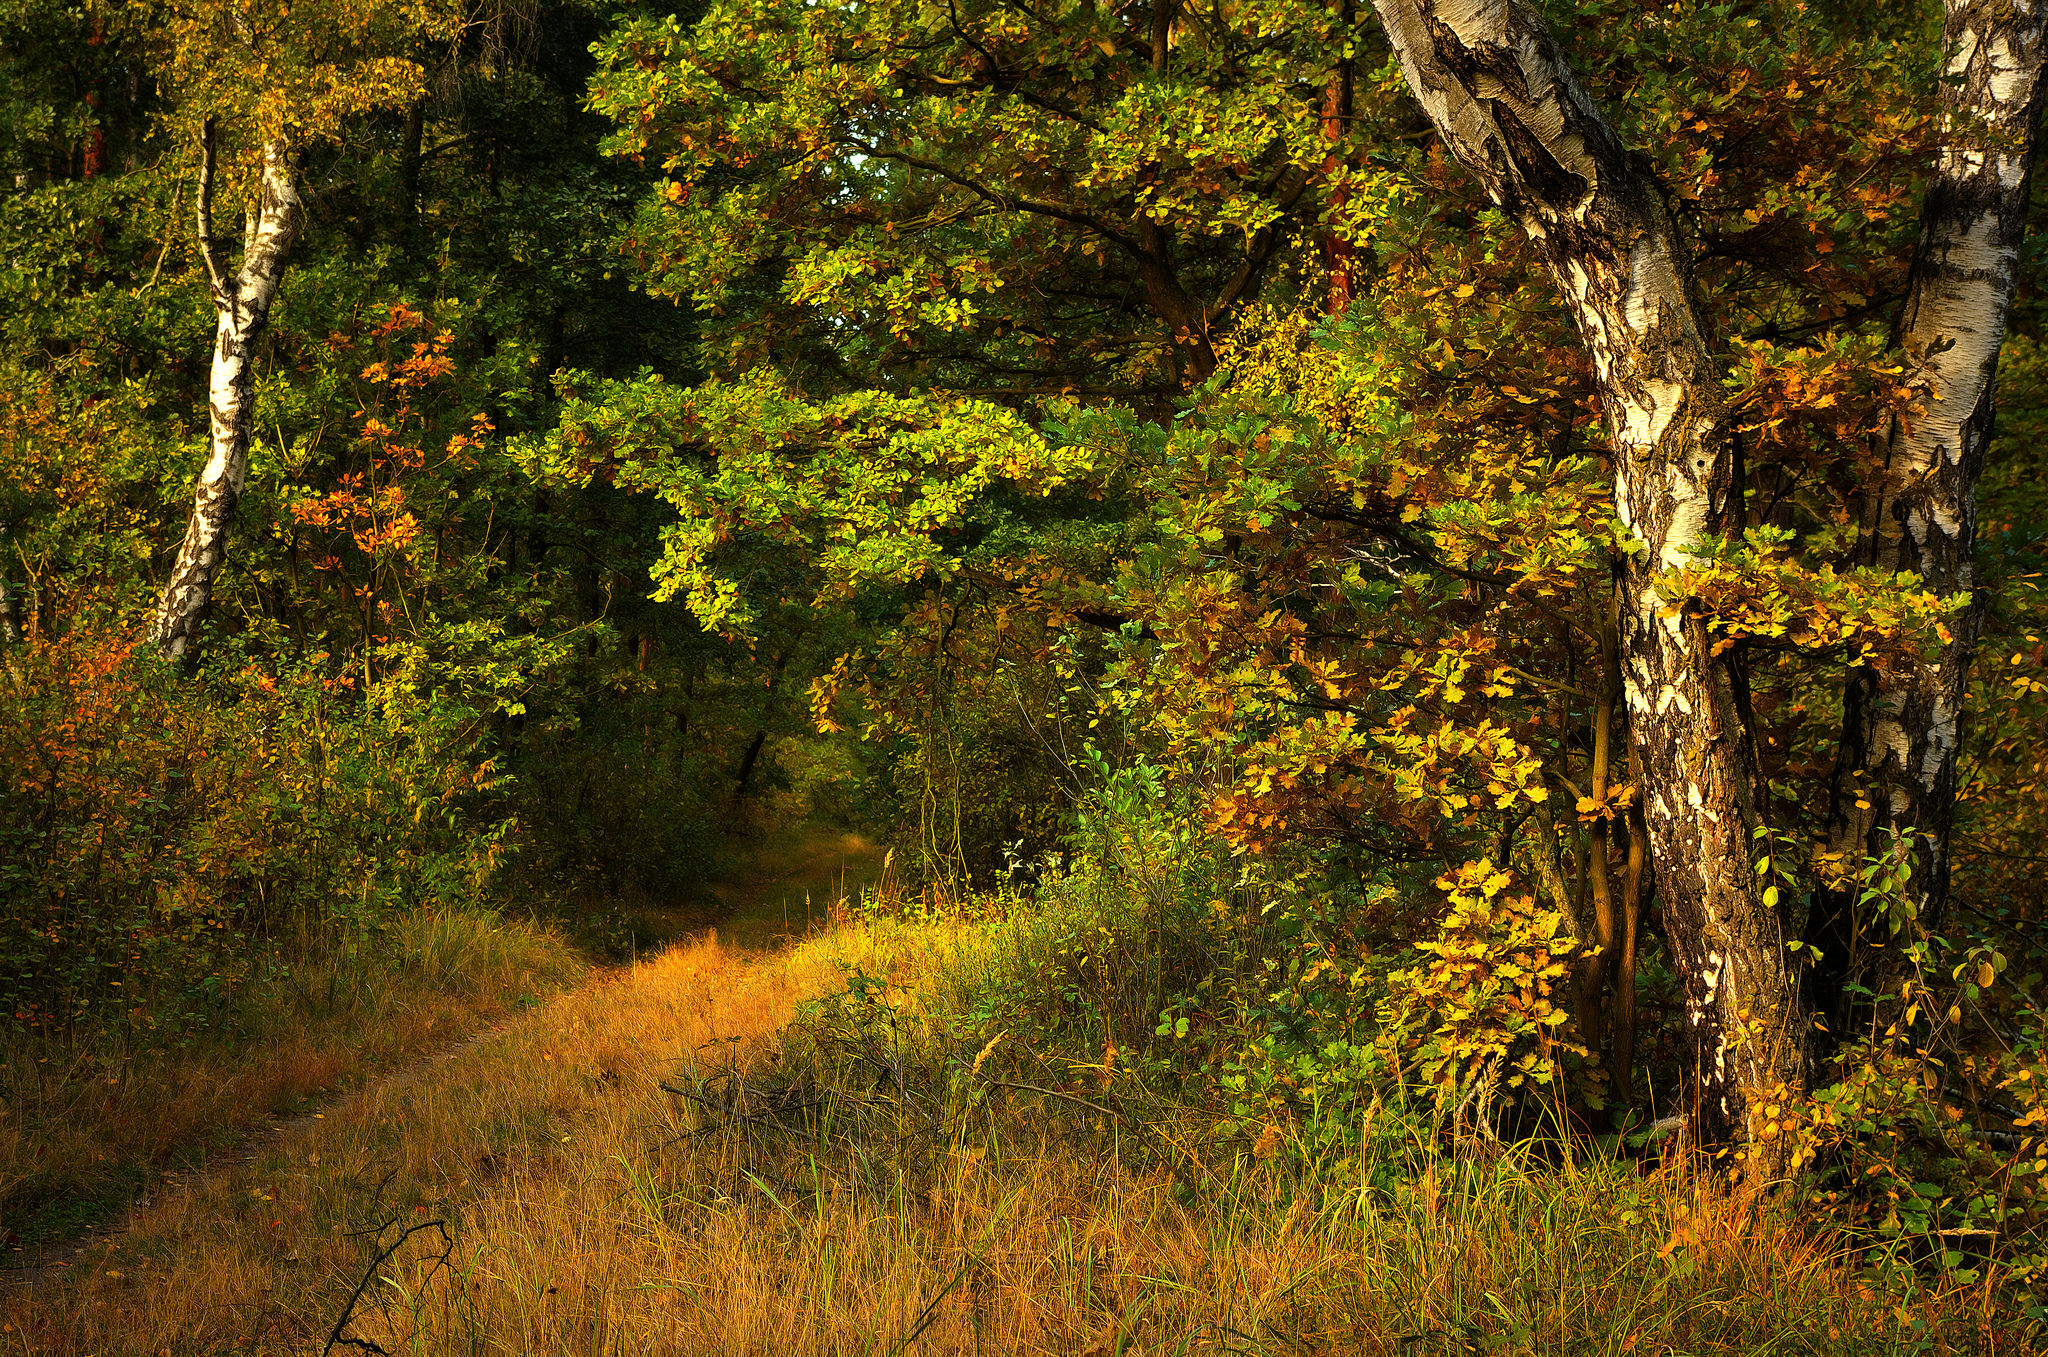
x=90, y=1117
x=825, y=1149
x=1353, y=827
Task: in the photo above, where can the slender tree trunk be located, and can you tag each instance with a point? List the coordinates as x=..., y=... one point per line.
x=1339, y=255
x=1194, y=357
x=1896, y=766
x=1599, y=835
x=745, y=781
x=409, y=159
x=746, y=778
x=1501, y=95
x=242, y=302
x=1635, y=889
x=10, y=601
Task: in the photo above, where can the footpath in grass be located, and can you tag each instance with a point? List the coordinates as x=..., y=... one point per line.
x=683, y=1157
x=89, y=1124
x=262, y=1258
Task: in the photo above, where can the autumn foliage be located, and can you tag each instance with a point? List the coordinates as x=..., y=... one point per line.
x=1124, y=459
x=157, y=837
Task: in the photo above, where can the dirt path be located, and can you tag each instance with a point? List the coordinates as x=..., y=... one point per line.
x=257, y=1250
x=45, y=1263
x=756, y=919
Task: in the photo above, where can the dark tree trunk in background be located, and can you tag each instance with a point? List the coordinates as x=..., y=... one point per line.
x=10, y=599
x=1339, y=256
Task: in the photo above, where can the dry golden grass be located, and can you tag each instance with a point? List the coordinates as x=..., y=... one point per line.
x=592, y=1212
x=84, y=1124
x=255, y=1258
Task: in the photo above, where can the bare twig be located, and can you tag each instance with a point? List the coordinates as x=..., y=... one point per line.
x=337, y=1339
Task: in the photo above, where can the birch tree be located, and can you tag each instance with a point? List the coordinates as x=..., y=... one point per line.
x=258, y=85
x=242, y=299
x=1500, y=93
x=1895, y=769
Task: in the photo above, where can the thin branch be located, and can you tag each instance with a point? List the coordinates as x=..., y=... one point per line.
x=1265, y=242
x=383, y=1255
x=1008, y=201
x=216, y=276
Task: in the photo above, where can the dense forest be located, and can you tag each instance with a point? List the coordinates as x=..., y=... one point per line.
x=1416, y=603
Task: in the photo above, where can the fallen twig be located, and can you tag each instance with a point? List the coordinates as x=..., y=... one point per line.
x=336, y=1338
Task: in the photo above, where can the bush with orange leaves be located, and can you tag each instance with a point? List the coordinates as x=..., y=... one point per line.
x=158, y=834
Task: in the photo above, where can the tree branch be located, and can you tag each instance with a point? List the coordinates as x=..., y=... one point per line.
x=1008, y=201
x=216, y=275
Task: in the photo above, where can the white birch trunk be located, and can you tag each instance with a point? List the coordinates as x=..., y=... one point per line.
x=1901, y=731
x=243, y=303
x=1501, y=95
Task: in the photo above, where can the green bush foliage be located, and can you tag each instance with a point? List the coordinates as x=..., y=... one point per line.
x=161, y=835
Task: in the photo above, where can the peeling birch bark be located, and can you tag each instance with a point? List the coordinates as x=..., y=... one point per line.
x=1895, y=768
x=242, y=302
x=1507, y=105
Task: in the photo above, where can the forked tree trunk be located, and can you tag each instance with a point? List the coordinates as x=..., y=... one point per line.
x=1895, y=769
x=242, y=301
x=1506, y=104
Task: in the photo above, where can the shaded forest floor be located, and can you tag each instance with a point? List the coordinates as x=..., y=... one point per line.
x=683, y=1155
x=790, y=885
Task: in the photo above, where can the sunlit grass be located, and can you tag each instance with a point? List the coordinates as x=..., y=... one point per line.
x=85, y=1121
x=593, y=1211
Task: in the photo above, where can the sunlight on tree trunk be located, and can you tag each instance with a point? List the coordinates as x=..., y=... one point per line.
x=1895, y=769
x=242, y=301
x=1500, y=93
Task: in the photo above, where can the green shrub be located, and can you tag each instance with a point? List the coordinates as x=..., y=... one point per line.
x=159, y=833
